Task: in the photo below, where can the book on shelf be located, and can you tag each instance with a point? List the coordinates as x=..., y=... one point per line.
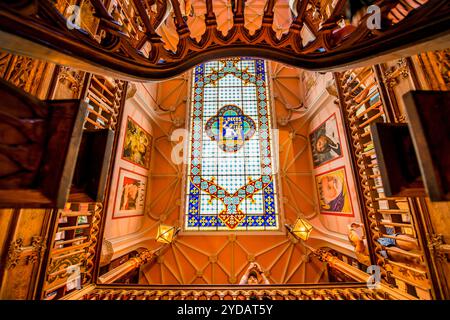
x=79, y=232
x=82, y=220
x=374, y=99
x=62, y=220
x=61, y=235
x=360, y=110
x=369, y=147
x=383, y=204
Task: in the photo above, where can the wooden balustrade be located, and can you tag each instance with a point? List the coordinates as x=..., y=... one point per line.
x=144, y=257
x=72, y=250
x=104, y=97
x=357, y=289
x=349, y=291
x=111, y=38
x=406, y=269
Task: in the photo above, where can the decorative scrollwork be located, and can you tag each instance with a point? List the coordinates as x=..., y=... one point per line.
x=58, y=268
x=300, y=292
x=32, y=253
x=73, y=77
x=435, y=242
x=14, y=253
x=391, y=76
x=94, y=231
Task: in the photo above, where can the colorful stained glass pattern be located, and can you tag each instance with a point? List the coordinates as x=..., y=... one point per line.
x=230, y=183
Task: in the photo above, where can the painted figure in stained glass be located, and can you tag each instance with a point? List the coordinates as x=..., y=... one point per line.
x=230, y=128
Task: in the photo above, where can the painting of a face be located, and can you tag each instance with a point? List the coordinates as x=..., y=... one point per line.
x=333, y=193
x=130, y=198
x=129, y=194
x=136, y=147
x=322, y=144
x=331, y=187
x=325, y=143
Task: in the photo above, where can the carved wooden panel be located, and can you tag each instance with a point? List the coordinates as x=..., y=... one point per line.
x=69, y=83
x=25, y=73
x=124, y=28
x=23, y=248
x=39, y=143
x=4, y=62
x=436, y=67
x=72, y=249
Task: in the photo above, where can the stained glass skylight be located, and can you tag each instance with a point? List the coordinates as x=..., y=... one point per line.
x=230, y=183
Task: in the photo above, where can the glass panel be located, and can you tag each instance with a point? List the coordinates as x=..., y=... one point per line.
x=230, y=185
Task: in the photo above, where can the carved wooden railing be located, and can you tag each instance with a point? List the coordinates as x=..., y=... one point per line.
x=347, y=260
x=73, y=248
x=348, y=291
x=355, y=287
x=436, y=66
x=362, y=103
x=144, y=257
x=109, y=42
x=104, y=96
x=75, y=239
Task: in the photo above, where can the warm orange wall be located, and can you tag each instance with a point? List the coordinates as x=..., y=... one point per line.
x=336, y=223
x=220, y=258
x=120, y=226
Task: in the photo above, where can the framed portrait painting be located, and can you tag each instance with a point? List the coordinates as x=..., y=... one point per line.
x=333, y=194
x=136, y=145
x=325, y=142
x=130, y=196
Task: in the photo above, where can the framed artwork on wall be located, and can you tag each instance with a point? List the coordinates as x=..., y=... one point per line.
x=130, y=196
x=136, y=145
x=333, y=194
x=325, y=142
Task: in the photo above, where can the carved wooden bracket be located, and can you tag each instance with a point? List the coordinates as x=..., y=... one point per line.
x=32, y=253
x=400, y=70
x=437, y=247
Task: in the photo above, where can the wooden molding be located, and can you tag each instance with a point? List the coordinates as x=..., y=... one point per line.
x=46, y=36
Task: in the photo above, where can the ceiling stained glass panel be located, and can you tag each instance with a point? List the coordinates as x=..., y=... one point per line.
x=230, y=183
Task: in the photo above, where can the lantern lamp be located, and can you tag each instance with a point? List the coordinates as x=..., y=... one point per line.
x=301, y=229
x=166, y=233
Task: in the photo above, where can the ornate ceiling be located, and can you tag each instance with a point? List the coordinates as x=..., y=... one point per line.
x=223, y=258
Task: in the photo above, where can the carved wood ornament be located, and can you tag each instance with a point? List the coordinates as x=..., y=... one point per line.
x=39, y=27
